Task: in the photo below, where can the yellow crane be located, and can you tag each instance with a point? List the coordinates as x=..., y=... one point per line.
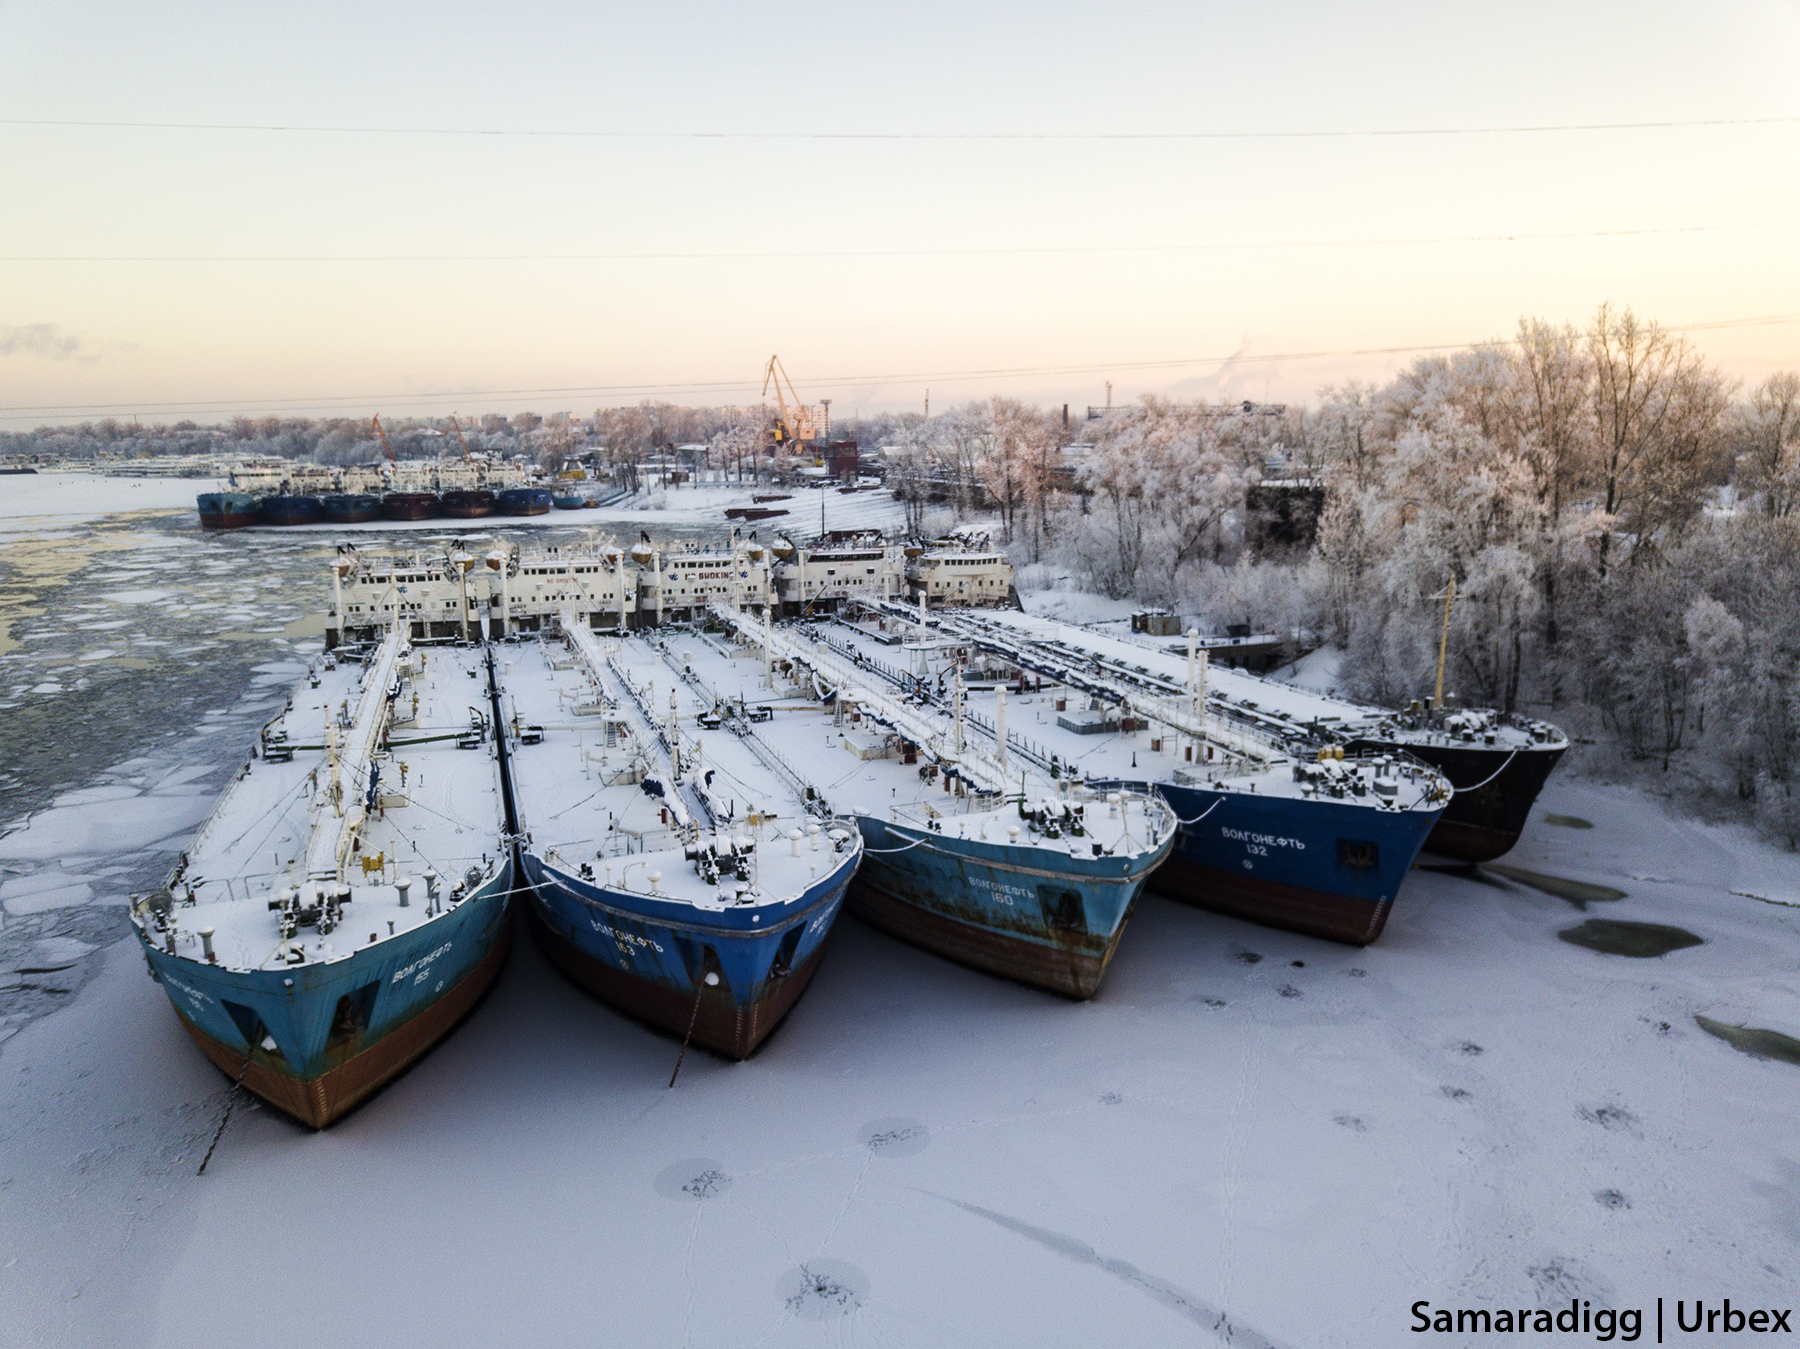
x=793, y=423
x=459, y=437
x=384, y=442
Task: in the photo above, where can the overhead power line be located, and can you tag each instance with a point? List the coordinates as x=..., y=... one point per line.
x=447, y=396
x=551, y=133
x=753, y=255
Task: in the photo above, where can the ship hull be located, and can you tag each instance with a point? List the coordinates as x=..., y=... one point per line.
x=228, y=510
x=1494, y=794
x=324, y=1061
x=1321, y=867
x=649, y=958
x=1023, y=913
x=467, y=504
x=292, y=510
x=354, y=508
x=525, y=501
x=409, y=505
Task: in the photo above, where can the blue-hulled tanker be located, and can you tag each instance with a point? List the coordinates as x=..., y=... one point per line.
x=677, y=876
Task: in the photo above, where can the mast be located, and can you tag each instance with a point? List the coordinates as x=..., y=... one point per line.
x=1444, y=644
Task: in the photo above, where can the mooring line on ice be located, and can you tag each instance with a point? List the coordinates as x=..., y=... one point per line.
x=230, y=1101
x=711, y=979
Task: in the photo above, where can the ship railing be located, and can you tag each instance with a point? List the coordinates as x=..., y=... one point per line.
x=1025, y=747
x=772, y=759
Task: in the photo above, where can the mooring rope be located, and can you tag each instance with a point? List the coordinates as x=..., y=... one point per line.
x=1454, y=789
x=1203, y=814
x=915, y=843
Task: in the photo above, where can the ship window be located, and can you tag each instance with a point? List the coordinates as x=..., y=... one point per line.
x=351, y=1018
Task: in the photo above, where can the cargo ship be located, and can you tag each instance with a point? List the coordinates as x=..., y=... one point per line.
x=292, y=510
x=228, y=510
x=351, y=508
x=1496, y=764
x=685, y=879
x=410, y=505
x=524, y=501
x=1318, y=844
x=980, y=856
x=468, y=503
x=345, y=904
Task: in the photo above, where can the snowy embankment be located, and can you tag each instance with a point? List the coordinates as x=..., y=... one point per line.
x=1247, y=1136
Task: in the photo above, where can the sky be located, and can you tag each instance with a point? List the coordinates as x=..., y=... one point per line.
x=965, y=199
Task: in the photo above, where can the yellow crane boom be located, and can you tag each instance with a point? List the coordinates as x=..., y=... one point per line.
x=794, y=422
x=392, y=457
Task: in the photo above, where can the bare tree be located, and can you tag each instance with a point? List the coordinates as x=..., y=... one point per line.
x=1768, y=434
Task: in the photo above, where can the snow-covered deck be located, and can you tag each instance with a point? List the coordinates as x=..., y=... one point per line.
x=612, y=713
x=292, y=827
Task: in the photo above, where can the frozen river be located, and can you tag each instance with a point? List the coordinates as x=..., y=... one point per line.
x=1247, y=1138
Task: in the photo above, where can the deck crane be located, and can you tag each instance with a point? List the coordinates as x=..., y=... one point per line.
x=392, y=457
x=794, y=423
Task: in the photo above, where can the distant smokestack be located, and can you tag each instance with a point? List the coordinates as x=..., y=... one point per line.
x=1065, y=416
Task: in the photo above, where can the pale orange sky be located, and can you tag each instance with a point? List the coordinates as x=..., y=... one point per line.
x=1170, y=249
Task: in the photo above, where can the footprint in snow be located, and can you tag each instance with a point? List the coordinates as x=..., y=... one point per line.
x=1110, y=1098
x=1207, y=1000
x=1355, y=1123
x=1289, y=991
x=822, y=1290
x=894, y=1136
x=1358, y=974
x=695, y=1179
x=1470, y=1048
x=1611, y=1199
x=1613, y=1118
x=1248, y=958
x=1454, y=1093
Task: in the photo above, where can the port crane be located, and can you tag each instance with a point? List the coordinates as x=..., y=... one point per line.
x=392, y=457
x=459, y=438
x=793, y=423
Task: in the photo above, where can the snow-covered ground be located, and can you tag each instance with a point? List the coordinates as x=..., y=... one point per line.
x=1248, y=1137
x=1075, y=606
x=1320, y=671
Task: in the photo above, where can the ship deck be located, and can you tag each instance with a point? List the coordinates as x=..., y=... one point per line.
x=1255, y=698
x=610, y=712
x=1147, y=753
x=438, y=810
x=858, y=763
